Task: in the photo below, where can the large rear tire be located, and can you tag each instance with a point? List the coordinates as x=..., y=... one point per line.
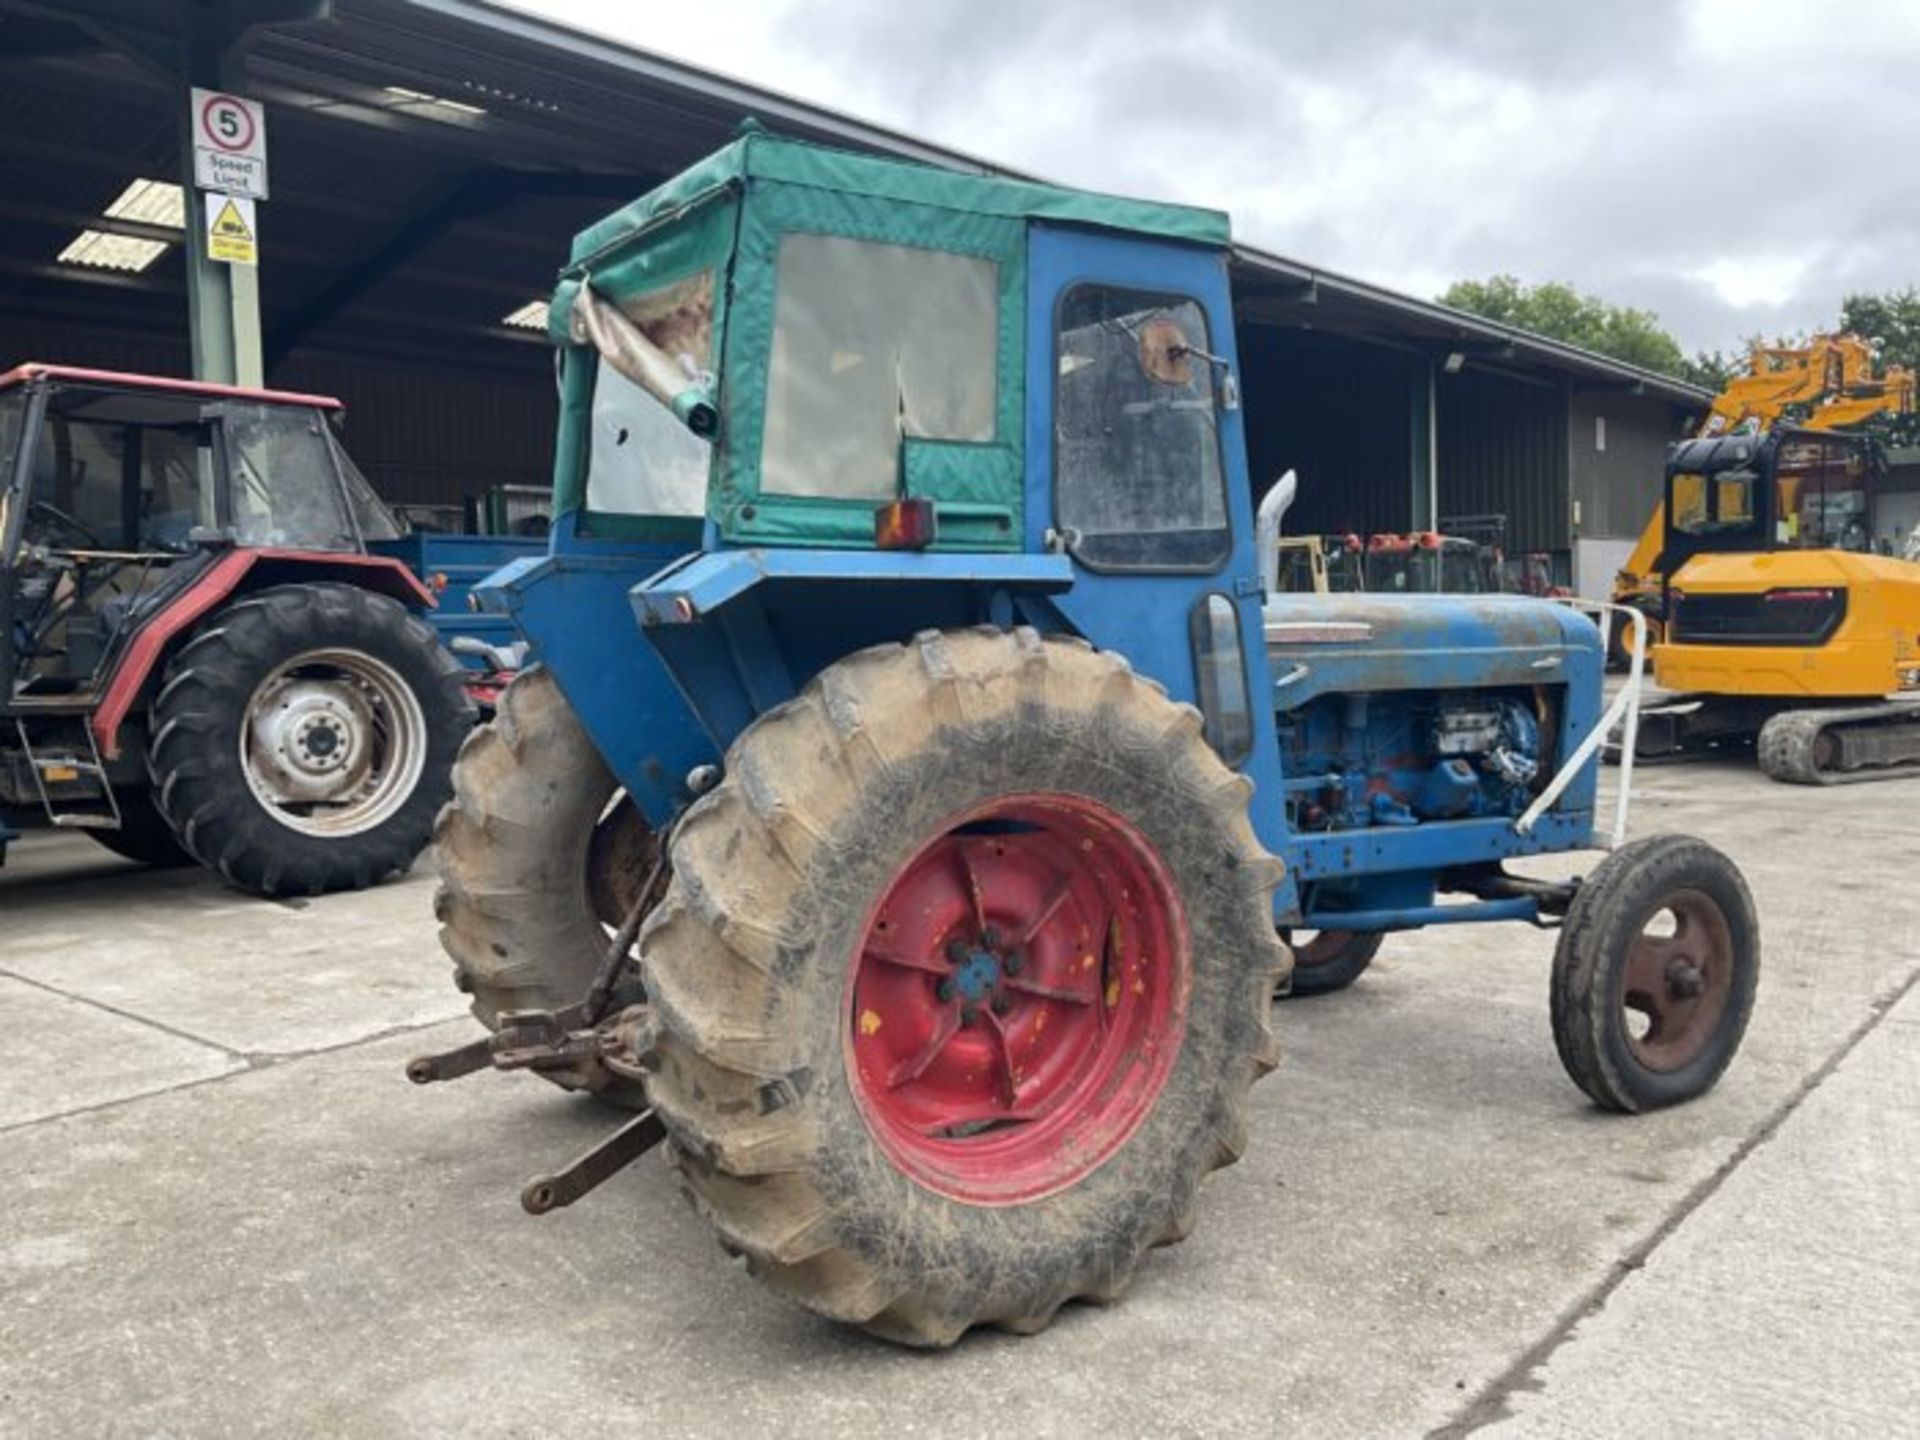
x=304, y=739
x=144, y=835
x=540, y=855
x=960, y=984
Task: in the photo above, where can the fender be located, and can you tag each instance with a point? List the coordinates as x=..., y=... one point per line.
x=235, y=571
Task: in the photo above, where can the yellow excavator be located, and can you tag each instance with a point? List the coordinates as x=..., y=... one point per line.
x=1830, y=383
x=1791, y=610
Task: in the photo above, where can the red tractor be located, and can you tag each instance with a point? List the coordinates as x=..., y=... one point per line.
x=200, y=658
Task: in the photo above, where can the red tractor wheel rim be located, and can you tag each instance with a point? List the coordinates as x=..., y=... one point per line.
x=1017, y=999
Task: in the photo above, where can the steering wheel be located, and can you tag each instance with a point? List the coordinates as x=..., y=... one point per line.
x=66, y=522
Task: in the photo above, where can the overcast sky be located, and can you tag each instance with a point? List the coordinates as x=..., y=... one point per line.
x=1734, y=165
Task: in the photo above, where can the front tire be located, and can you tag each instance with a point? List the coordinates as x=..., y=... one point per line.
x=1331, y=960
x=960, y=984
x=1654, y=974
x=304, y=739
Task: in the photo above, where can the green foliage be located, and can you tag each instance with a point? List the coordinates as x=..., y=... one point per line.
x=1892, y=318
x=1711, y=369
x=1564, y=313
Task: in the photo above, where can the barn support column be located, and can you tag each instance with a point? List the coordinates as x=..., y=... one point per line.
x=185, y=43
x=223, y=301
x=1423, y=502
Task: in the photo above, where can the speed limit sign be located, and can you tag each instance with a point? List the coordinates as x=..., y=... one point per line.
x=229, y=144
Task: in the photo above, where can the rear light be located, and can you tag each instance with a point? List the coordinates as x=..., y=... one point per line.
x=437, y=582
x=1789, y=596
x=905, y=524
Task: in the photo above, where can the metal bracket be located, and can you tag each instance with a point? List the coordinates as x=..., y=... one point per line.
x=538, y=1040
x=593, y=1168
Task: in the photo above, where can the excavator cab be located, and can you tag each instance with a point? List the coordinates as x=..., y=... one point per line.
x=1787, y=490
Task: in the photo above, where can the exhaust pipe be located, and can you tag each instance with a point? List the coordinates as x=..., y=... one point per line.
x=594, y=321
x=1266, y=529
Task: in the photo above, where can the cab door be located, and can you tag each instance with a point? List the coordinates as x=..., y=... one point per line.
x=1137, y=471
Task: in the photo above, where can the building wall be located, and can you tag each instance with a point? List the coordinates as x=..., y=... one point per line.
x=1337, y=413
x=1618, y=451
x=1501, y=449
x=436, y=437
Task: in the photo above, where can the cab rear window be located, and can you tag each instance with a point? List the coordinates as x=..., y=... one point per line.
x=873, y=345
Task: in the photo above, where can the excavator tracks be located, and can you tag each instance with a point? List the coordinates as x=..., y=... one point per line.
x=1842, y=746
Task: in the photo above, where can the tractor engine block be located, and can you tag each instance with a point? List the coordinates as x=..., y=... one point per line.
x=1359, y=760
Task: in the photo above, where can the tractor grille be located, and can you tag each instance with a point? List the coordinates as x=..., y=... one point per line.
x=1776, y=617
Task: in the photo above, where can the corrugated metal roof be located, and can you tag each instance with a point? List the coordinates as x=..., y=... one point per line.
x=401, y=223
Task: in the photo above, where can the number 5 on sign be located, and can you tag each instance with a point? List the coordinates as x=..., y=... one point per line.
x=230, y=230
x=229, y=144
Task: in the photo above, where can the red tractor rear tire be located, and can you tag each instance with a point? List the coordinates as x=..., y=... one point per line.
x=304, y=737
x=144, y=835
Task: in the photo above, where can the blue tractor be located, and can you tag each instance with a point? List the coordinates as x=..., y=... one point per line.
x=908, y=694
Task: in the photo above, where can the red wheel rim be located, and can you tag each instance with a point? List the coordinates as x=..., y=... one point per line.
x=1679, y=982
x=1018, y=998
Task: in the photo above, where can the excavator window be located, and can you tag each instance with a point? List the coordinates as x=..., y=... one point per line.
x=1821, y=497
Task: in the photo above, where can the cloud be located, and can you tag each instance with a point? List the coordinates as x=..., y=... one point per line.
x=1734, y=165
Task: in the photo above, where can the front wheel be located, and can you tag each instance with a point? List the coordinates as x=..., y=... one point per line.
x=1328, y=960
x=304, y=739
x=1654, y=975
x=960, y=984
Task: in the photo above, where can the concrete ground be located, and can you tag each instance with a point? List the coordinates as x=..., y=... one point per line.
x=228, y=1213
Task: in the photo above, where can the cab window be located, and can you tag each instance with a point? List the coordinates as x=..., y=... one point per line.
x=641, y=460
x=1717, y=504
x=1138, y=477
x=1821, y=497
x=874, y=345
x=285, y=491
x=102, y=484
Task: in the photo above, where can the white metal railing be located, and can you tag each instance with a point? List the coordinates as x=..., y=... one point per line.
x=1625, y=708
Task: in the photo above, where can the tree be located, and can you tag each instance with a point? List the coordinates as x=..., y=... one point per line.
x=1711, y=369
x=1893, y=319
x=1564, y=313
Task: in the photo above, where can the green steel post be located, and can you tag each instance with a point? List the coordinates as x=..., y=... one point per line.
x=223, y=301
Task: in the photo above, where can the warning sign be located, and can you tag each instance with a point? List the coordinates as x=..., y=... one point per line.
x=229, y=144
x=230, y=230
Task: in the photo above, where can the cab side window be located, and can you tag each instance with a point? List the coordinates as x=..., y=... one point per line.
x=1138, y=477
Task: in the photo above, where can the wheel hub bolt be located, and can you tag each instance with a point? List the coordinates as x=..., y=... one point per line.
x=944, y=990
x=1001, y=1004
x=1013, y=962
x=1685, y=980
x=990, y=938
x=957, y=951
x=968, y=1014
